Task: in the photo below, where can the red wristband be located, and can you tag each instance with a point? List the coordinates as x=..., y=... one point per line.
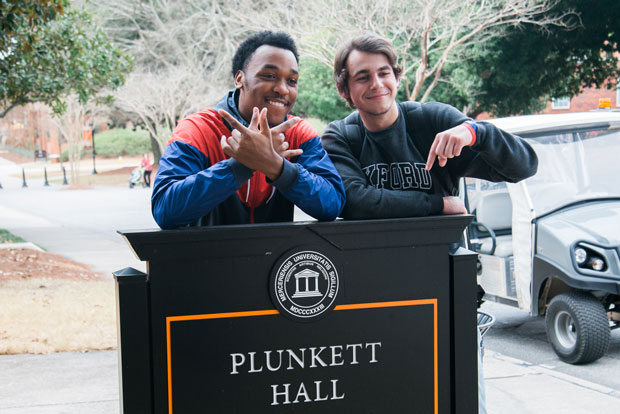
x=473, y=133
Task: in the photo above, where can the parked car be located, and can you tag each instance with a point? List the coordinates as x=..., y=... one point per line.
x=550, y=244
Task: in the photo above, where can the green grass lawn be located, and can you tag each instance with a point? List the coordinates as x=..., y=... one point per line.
x=6, y=237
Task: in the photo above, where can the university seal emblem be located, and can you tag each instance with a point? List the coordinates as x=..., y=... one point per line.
x=304, y=285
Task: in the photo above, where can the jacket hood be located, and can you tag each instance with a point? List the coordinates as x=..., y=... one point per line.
x=229, y=104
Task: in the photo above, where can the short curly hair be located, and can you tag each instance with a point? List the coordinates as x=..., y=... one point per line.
x=367, y=42
x=247, y=48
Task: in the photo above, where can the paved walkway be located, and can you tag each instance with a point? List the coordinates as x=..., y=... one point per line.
x=81, y=224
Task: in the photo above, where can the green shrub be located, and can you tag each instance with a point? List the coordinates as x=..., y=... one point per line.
x=7, y=237
x=122, y=141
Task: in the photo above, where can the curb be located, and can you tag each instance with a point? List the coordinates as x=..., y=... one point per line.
x=24, y=245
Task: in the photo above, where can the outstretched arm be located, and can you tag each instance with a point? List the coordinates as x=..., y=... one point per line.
x=365, y=201
x=482, y=150
x=187, y=187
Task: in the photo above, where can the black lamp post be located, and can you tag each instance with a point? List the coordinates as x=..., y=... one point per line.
x=93, y=138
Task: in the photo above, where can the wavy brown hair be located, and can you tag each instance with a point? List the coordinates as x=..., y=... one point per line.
x=369, y=43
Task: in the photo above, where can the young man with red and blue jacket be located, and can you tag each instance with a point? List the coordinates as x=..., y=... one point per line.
x=247, y=160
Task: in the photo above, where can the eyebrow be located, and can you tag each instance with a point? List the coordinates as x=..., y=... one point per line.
x=364, y=71
x=274, y=67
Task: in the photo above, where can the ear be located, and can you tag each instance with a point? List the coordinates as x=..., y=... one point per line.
x=344, y=94
x=397, y=81
x=239, y=79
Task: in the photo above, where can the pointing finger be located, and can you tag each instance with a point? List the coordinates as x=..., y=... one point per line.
x=431, y=156
x=232, y=121
x=285, y=125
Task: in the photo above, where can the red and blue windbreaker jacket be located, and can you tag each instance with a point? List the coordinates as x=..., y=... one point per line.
x=197, y=184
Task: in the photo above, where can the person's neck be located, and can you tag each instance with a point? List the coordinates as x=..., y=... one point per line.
x=376, y=123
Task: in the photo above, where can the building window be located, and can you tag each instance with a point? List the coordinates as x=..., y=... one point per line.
x=560, y=103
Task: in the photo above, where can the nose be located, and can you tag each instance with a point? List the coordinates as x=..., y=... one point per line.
x=281, y=87
x=376, y=82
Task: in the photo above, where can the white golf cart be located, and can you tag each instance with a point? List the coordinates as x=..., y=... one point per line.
x=550, y=244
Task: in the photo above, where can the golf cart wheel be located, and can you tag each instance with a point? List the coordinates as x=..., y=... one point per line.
x=577, y=327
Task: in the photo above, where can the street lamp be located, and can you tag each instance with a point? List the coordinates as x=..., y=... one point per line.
x=93, y=138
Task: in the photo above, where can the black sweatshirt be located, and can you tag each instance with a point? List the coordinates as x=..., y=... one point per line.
x=384, y=172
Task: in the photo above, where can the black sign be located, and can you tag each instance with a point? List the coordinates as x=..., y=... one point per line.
x=256, y=361
x=343, y=317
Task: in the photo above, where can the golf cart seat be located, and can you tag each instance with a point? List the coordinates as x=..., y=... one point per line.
x=494, y=215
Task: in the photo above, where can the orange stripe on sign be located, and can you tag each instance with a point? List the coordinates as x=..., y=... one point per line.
x=268, y=312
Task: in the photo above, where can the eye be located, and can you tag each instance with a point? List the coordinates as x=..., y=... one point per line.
x=268, y=76
x=292, y=81
x=362, y=78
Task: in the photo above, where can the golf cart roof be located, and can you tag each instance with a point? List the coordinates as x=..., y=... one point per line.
x=528, y=125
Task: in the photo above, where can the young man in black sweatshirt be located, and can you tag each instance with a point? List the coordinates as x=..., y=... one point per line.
x=405, y=159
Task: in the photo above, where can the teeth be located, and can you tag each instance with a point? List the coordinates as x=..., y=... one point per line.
x=276, y=103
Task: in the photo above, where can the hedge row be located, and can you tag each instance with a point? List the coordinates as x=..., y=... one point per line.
x=122, y=141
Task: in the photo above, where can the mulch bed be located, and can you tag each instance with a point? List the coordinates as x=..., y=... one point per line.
x=28, y=263
x=16, y=158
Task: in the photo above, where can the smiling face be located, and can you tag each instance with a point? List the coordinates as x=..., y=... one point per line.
x=372, y=88
x=269, y=80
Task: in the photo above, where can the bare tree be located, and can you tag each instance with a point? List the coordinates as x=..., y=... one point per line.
x=427, y=34
x=159, y=100
x=71, y=124
x=182, y=51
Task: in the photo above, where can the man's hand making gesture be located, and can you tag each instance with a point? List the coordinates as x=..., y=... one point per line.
x=449, y=144
x=258, y=147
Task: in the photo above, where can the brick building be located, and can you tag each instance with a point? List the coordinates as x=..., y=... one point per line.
x=31, y=127
x=589, y=99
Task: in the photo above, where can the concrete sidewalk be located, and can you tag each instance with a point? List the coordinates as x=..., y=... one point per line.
x=77, y=383
x=67, y=383
x=515, y=386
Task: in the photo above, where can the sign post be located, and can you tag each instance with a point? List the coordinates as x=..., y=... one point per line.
x=349, y=316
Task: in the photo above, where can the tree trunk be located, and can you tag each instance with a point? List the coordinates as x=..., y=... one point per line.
x=155, y=147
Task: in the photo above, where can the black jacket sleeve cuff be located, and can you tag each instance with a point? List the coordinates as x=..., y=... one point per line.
x=288, y=178
x=436, y=204
x=240, y=171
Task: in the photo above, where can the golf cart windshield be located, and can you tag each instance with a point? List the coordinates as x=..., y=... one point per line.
x=574, y=166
